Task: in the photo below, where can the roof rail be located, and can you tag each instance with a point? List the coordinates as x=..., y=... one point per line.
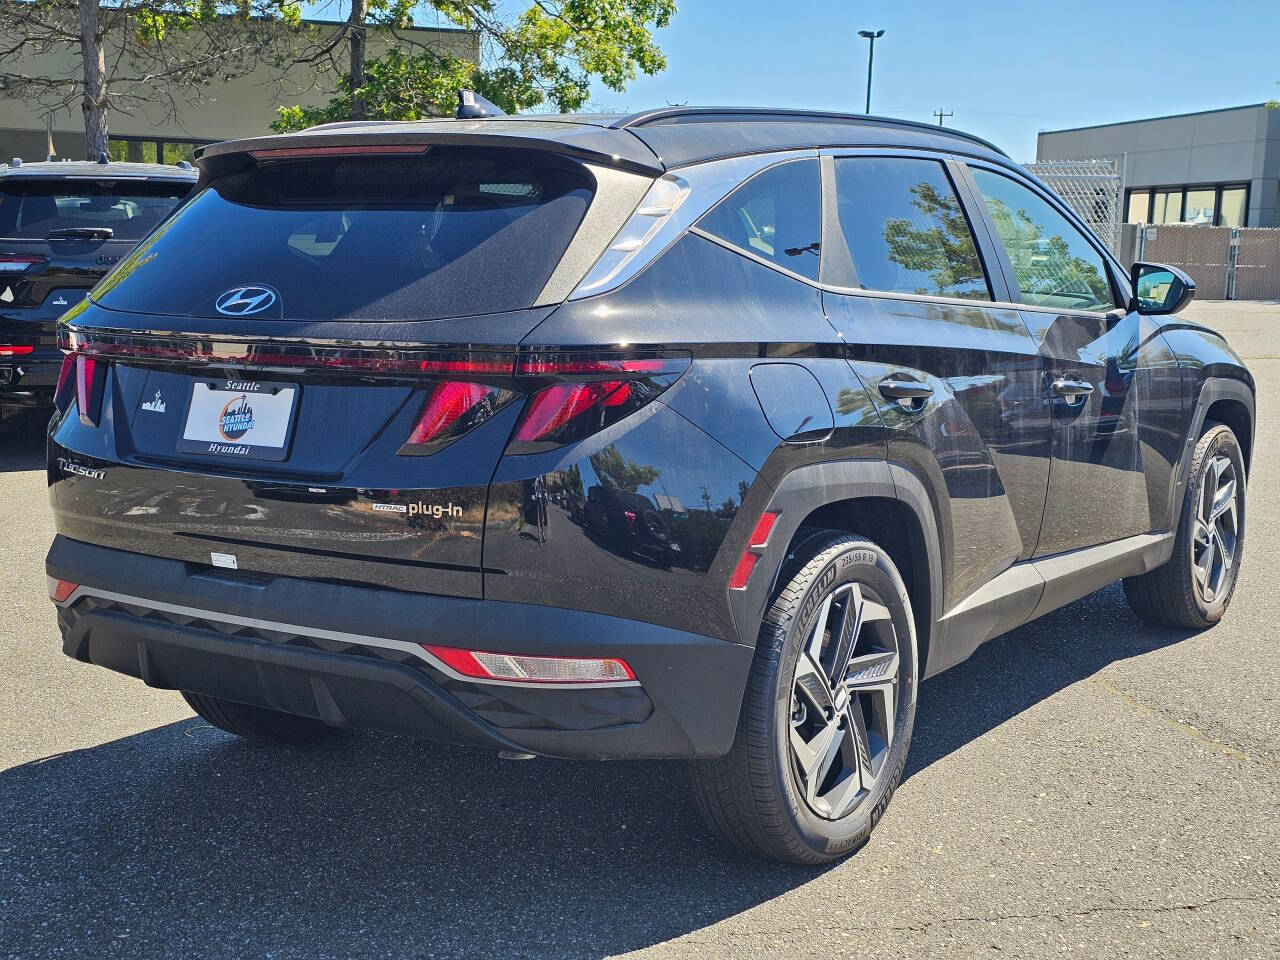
x=713, y=114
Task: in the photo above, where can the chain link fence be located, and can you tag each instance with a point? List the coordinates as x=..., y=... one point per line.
x=1094, y=189
x=1227, y=263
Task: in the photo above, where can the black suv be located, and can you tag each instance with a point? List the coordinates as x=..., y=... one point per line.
x=335, y=441
x=62, y=226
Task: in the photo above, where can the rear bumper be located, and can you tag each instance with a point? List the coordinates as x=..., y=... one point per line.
x=351, y=656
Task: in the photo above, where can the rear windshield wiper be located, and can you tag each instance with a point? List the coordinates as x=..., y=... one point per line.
x=81, y=233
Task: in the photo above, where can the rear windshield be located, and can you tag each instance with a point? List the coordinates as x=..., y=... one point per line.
x=38, y=209
x=449, y=233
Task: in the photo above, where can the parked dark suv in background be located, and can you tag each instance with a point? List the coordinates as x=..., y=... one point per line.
x=335, y=441
x=62, y=227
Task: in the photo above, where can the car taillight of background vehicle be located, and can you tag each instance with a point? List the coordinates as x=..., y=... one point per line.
x=17, y=262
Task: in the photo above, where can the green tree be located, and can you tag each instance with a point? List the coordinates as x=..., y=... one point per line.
x=620, y=473
x=133, y=54
x=944, y=250
x=547, y=54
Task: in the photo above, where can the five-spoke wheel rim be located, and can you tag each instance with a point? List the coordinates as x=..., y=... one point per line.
x=844, y=695
x=1217, y=530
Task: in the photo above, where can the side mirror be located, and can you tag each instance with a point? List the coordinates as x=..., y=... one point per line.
x=1160, y=289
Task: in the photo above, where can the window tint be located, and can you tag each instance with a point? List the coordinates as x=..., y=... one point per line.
x=1055, y=266
x=905, y=229
x=776, y=215
x=456, y=232
x=32, y=209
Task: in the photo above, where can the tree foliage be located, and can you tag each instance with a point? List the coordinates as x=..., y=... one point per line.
x=547, y=54
x=133, y=54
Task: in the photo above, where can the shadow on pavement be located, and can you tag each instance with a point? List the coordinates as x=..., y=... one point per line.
x=22, y=434
x=1013, y=673
x=182, y=841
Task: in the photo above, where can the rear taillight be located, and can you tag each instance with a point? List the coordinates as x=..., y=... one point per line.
x=451, y=409
x=63, y=393
x=12, y=350
x=90, y=376
x=521, y=668
x=577, y=395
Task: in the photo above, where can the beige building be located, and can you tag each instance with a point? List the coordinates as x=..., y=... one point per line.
x=224, y=110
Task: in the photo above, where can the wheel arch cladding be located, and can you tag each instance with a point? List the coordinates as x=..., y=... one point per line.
x=1233, y=413
x=870, y=498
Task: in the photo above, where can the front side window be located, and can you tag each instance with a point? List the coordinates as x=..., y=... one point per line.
x=1053, y=263
x=905, y=229
x=776, y=215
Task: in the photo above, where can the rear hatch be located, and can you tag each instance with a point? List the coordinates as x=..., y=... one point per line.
x=309, y=368
x=60, y=234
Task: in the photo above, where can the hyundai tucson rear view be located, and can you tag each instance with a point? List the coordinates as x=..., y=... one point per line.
x=695, y=434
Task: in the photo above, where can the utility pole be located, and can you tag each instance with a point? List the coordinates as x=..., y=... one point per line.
x=939, y=114
x=871, y=35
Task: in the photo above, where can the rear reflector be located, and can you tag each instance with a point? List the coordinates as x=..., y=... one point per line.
x=756, y=543
x=60, y=590
x=518, y=668
x=13, y=351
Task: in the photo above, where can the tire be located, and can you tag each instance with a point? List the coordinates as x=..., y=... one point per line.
x=256, y=723
x=757, y=797
x=1182, y=593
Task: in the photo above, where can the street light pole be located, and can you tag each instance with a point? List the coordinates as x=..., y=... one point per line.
x=872, y=36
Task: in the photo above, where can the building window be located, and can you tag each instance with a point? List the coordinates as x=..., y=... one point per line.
x=1232, y=210
x=1223, y=205
x=152, y=149
x=1139, y=206
x=1198, y=207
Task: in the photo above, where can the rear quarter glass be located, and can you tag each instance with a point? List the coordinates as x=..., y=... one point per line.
x=450, y=232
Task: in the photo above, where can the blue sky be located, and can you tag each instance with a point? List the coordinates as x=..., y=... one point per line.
x=1007, y=69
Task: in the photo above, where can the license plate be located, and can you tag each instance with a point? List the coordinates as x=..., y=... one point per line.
x=239, y=418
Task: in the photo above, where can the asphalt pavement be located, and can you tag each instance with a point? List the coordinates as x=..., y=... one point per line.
x=1086, y=786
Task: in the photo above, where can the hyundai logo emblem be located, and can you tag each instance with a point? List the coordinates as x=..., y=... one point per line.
x=242, y=301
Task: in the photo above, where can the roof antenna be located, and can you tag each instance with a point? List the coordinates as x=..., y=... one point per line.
x=472, y=106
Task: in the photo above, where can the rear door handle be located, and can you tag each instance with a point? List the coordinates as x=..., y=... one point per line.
x=909, y=394
x=905, y=390
x=1075, y=391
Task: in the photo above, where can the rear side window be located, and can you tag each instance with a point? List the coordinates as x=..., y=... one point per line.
x=905, y=229
x=452, y=232
x=776, y=215
x=37, y=209
x=1054, y=264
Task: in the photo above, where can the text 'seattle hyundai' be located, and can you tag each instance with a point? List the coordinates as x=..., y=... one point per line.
x=699, y=433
